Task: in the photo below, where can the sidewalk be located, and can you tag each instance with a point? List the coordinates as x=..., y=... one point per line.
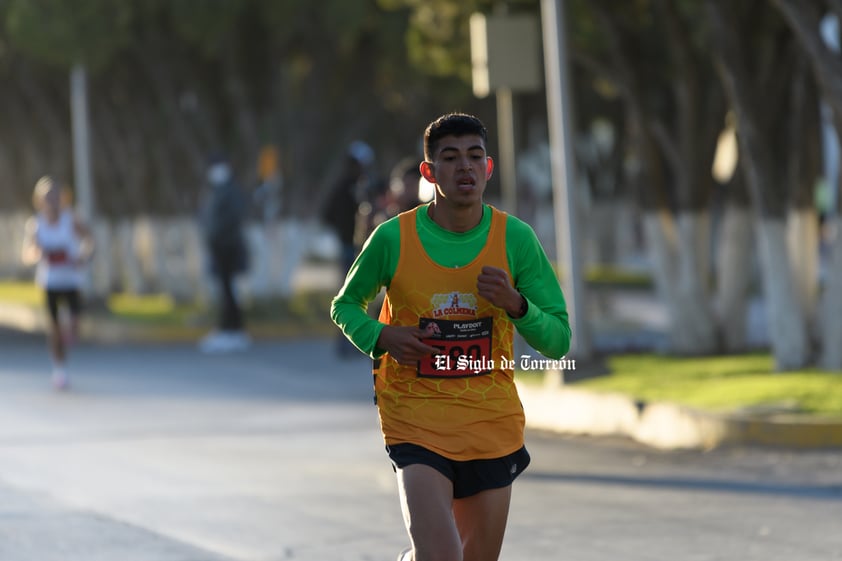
x=552, y=407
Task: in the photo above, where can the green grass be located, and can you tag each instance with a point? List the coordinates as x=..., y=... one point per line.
x=302, y=309
x=607, y=277
x=141, y=305
x=306, y=309
x=145, y=308
x=724, y=383
x=152, y=309
x=21, y=292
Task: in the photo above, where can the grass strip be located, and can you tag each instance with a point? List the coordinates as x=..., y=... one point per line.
x=722, y=383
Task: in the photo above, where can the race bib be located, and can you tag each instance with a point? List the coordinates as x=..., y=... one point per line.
x=57, y=256
x=464, y=348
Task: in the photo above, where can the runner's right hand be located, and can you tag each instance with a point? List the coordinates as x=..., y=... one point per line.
x=404, y=344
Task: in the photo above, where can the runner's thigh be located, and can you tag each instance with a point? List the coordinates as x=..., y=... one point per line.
x=427, y=503
x=481, y=520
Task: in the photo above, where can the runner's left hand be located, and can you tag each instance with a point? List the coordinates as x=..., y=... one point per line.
x=493, y=285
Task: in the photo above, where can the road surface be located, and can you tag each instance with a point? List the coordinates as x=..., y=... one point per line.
x=160, y=453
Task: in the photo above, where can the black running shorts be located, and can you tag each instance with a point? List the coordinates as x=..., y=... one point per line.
x=70, y=297
x=468, y=477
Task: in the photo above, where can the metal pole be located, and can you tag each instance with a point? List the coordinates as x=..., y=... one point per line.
x=564, y=173
x=506, y=139
x=81, y=143
x=82, y=156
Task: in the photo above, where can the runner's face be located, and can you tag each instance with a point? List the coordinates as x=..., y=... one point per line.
x=461, y=169
x=52, y=200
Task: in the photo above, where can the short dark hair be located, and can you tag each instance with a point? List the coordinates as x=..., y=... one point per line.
x=456, y=124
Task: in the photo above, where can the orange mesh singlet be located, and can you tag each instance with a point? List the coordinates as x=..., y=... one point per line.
x=462, y=403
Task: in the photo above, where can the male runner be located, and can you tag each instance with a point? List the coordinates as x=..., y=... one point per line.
x=449, y=411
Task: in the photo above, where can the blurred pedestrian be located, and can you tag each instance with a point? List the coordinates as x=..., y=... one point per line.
x=223, y=219
x=404, y=183
x=399, y=195
x=460, y=277
x=352, y=188
x=60, y=244
x=341, y=211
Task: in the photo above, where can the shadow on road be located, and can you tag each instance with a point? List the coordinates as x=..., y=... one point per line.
x=807, y=491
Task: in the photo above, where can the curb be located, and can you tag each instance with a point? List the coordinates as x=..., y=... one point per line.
x=668, y=426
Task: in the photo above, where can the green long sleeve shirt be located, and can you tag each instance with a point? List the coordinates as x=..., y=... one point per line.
x=545, y=326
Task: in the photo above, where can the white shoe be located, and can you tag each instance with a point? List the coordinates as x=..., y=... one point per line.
x=60, y=380
x=207, y=342
x=405, y=555
x=238, y=340
x=215, y=342
x=225, y=342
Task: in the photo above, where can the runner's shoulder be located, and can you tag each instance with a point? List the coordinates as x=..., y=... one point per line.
x=390, y=228
x=519, y=231
x=386, y=233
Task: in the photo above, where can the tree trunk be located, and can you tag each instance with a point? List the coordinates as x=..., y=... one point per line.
x=803, y=18
x=831, y=304
x=660, y=239
x=804, y=168
x=695, y=331
x=103, y=267
x=785, y=320
x=760, y=161
x=7, y=200
x=734, y=258
x=673, y=268
x=129, y=268
x=687, y=138
x=802, y=245
x=602, y=223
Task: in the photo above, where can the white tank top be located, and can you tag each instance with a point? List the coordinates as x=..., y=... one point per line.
x=59, y=250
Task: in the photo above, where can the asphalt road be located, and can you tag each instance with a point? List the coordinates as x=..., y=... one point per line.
x=161, y=453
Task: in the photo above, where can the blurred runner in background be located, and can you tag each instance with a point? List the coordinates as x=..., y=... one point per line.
x=60, y=245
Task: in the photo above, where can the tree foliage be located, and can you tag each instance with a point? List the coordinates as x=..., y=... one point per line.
x=91, y=32
x=172, y=81
x=438, y=39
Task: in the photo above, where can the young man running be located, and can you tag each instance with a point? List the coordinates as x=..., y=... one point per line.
x=460, y=277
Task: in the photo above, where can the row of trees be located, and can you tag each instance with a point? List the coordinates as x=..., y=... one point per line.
x=667, y=73
x=173, y=80
x=764, y=63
